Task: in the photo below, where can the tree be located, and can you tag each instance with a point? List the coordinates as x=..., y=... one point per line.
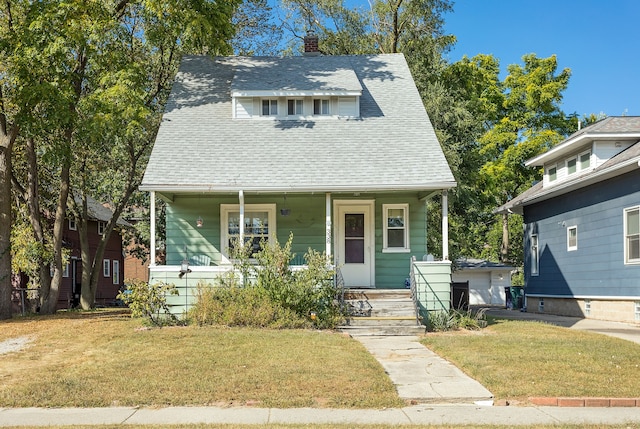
x=528, y=121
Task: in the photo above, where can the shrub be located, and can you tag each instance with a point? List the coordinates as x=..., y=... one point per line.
x=149, y=301
x=269, y=293
x=440, y=321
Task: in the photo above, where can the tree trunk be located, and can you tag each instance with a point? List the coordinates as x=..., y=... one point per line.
x=87, y=294
x=49, y=296
x=35, y=218
x=5, y=230
x=504, y=247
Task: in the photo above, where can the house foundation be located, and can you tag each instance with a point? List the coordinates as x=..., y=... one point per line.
x=622, y=310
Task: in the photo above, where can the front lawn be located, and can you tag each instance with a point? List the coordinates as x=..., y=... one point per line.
x=520, y=359
x=105, y=358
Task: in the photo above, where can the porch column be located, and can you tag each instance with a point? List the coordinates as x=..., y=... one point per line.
x=328, y=226
x=152, y=227
x=241, y=198
x=445, y=225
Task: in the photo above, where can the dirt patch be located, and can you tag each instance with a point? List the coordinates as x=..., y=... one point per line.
x=14, y=344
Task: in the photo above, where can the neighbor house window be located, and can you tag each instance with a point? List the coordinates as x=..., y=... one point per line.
x=571, y=165
x=632, y=235
x=585, y=160
x=101, y=227
x=259, y=224
x=572, y=238
x=320, y=106
x=395, y=218
x=106, y=268
x=116, y=272
x=552, y=173
x=269, y=107
x=65, y=270
x=294, y=107
x=72, y=225
x=534, y=256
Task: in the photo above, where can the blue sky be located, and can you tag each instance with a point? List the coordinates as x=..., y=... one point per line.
x=598, y=40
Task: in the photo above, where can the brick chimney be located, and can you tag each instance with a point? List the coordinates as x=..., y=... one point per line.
x=311, y=44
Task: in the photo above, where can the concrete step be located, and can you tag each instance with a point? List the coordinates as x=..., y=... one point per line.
x=375, y=294
x=382, y=331
x=382, y=321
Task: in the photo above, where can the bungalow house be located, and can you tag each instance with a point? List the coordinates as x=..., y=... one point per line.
x=337, y=150
x=582, y=224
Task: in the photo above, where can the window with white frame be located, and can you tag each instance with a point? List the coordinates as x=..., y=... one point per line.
x=116, y=272
x=585, y=160
x=101, y=227
x=572, y=165
x=535, y=264
x=632, y=235
x=259, y=225
x=72, y=225
x=269, y=107
x=320, y=106
x=395, y=218
x=572, y=238
x=106, y=268
x=294, y=107
x=65, y=270
x=552, y=173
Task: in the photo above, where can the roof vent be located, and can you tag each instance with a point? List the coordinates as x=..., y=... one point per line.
x=311, y=43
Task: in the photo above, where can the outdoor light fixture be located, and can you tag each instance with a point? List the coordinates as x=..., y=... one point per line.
x=199, y=222
x=184, y=268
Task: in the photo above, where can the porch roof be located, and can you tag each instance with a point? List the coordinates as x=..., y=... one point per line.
x=391, y=146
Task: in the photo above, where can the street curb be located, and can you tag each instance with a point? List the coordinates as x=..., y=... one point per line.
x=545, y=401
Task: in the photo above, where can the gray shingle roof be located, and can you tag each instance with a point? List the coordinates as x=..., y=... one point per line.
x=201, y=147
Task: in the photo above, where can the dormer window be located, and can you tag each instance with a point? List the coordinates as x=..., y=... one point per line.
x=572, y=165
x=294, y=107
x=320, y=106
x=585, y=160
x=552, y=173
x=269, y=107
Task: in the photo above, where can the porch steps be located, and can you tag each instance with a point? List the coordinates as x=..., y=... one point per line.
x=381, y=312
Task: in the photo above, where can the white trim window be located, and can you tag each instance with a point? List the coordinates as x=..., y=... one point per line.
x=395, y=226
x=259, y=225
x=101, y=227
x=535, y=257
x=584, y=160
x=72, y=225
x=106, y=268
x=65, y=270
x=269, y=107
x=116, y=272
x=632, y=235
x=552, y=173
x=321, y=106
x=572, y=238
x=572, y=165
x=294, y=107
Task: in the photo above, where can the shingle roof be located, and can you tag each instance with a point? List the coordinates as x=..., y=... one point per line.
x=201, y=147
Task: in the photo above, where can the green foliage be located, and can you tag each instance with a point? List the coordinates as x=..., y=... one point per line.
x=149, y=301
x=269, y=294
x=453, y=320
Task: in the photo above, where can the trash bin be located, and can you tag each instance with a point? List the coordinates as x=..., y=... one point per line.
x=517, y=297
x=507, y=298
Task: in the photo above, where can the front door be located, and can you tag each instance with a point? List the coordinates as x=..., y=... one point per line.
x=355, y=242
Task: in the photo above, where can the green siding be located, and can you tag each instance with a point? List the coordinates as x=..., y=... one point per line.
x=306, y=220
x=433, y=285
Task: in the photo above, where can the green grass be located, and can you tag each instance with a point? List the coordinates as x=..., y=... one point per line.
x=521, y=359
x=104, y=358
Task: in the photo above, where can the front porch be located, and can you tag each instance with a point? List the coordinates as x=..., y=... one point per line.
x=428, y=288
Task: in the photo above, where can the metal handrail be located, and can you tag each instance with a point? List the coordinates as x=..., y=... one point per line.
x=414, y=290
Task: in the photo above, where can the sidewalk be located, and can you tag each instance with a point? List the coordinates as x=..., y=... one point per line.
x=416, y=415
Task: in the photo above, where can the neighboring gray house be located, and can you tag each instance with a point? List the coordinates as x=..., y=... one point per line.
x=337, y=150
x=582, y=224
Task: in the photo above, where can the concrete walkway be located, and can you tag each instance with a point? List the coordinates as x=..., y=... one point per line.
x=419, y=374
x=419, y=414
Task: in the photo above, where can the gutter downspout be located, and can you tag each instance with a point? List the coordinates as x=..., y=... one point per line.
x=445, y=225
x=328, y=227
